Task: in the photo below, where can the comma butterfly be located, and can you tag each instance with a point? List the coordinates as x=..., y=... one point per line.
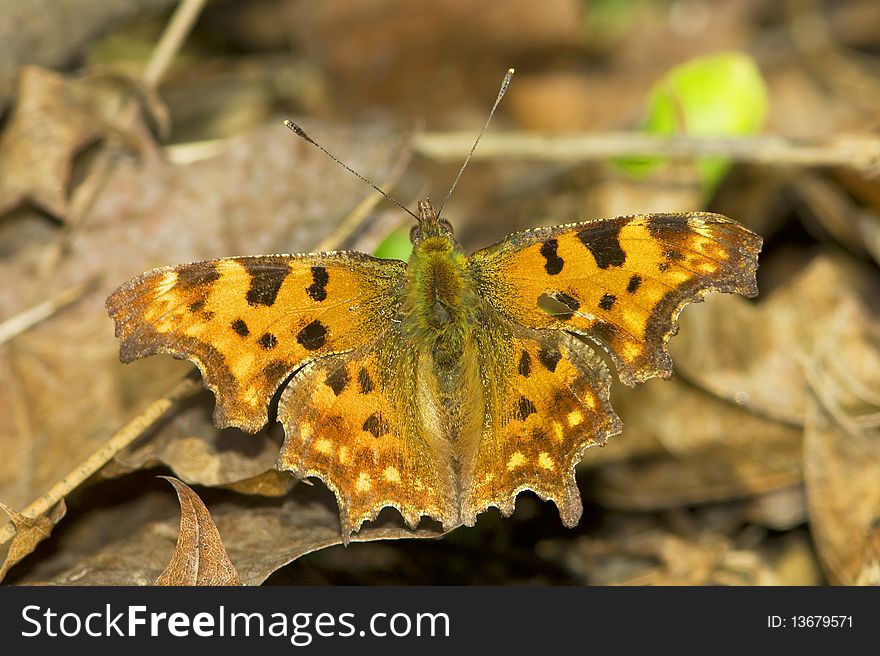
x=444, y=385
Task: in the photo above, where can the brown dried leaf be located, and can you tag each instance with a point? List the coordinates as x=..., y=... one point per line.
x=199, y=557
x=710, y=450
x=29, y=532
x=200, y=454
x=55, y=118
x=842, y=449
x=260, y=537
x=760, y=365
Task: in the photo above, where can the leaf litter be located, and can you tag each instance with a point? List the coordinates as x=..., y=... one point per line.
x=756, y=464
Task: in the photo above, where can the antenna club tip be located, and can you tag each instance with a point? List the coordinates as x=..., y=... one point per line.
x=511, y=71
x=295, y=128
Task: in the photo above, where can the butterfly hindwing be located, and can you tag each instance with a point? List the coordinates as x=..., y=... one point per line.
x=248, y=322
x=621, y=281
x=546, y=400
x=359, y=422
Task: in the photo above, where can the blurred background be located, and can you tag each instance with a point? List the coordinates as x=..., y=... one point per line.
x=141, y=133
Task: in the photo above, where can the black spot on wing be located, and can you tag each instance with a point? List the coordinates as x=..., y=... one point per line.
x=202, y=274
x=276, y=370
x=267, y=276
x=337, y=380
x=317, y=291
x=375, y=425
x=604, y=331
x=525, y=364
x=668, y=226
x=198, y=305
x=607, y=301
x=268, y=341
x=365, y=382
x=313, y=336
x=568, y=301
x=240, y=327
x=634, y=283
x=554, y=263
x=524, y=408
x=603, y=242
x=549, y=357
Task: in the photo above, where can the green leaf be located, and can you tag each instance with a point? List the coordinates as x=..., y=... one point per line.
x=395, y=246
x=715, y=95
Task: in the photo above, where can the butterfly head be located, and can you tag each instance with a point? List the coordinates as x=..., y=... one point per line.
x=429, y=224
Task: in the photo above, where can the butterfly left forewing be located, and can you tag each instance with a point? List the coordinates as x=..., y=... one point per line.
x=620, y=281
x=249, y=322
x=546, y=400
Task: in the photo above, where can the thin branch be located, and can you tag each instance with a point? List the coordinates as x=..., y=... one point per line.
x=860, y=152
x=126, y=435
x=172, y=39
x=17, y=324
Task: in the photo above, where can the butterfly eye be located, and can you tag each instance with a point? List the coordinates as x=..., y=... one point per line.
x=415, y=234
x=445, y=226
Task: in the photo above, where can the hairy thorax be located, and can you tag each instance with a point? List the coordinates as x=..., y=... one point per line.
x=439, y=314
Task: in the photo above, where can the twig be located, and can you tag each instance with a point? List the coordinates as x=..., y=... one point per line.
x=126, y=435
x=861, y=152
x=172, y=38
x=23, y=320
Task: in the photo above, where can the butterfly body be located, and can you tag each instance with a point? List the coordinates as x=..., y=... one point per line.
x=442, y=386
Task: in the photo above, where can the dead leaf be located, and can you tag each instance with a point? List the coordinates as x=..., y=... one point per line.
x=709, y=450
x=842, y=449
x=29, y=532
x=764, y=346
x=260, y=537
x=199, y=557
x=54, y=119
x=199, y=453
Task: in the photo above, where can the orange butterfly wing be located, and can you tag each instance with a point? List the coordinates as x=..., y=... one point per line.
x=620, y=281
x=249, y=322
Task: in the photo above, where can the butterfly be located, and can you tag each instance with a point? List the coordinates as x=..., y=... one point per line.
x=450, y=383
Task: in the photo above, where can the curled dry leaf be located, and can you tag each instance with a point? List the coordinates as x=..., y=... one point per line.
x=260, y=537
x=29, y=532
x=199, y=557
x=842, y=448
x=54, y=119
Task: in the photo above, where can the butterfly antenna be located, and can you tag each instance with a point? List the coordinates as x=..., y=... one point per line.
x=298, y=131
x=504, y=84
